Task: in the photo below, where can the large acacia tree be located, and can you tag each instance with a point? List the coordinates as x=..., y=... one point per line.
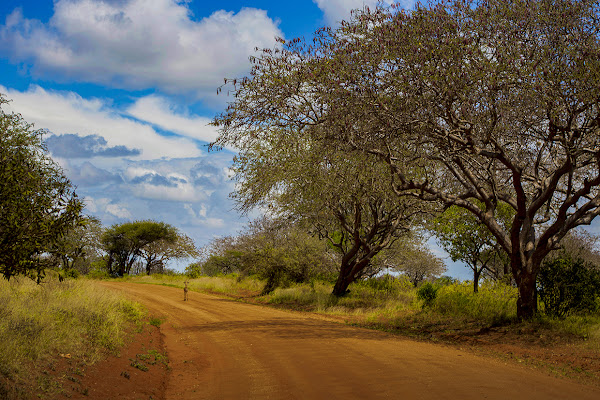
x=495, y=101
x=346, y=199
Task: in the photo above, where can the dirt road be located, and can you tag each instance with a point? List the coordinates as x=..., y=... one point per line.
x=222, y=349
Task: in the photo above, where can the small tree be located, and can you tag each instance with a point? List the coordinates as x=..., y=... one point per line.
x=464, y=238
x=277, y=251
x=124, y=243
x=411, y=257
x=578, y=245
x=38, y=204
x=79, y=246
x=281, y=253
x=158, y=252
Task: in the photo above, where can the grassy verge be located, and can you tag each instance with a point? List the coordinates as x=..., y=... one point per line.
x=74, y=319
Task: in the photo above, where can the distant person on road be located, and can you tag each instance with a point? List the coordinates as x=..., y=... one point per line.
x=185, y=291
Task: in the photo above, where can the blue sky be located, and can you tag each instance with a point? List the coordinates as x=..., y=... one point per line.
x=126, y=89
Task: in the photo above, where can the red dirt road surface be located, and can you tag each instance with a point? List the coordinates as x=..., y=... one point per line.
x=223, y=349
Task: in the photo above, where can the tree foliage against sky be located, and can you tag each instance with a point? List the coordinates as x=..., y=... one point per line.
x=412, y=258
x=126, y=243
x=464, y=238
x=345, y=198
x=78, y=246
x=495, y=101
x=38, y=204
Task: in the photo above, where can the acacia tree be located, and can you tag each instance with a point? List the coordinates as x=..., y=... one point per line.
x=80, y=244
x=158, y=252
x=37, y=202
x=464, y=238
x=281, y=251
x=578, y=245
x=124, y=243
x=412, y=258
x=495, y=101
x=344, y=198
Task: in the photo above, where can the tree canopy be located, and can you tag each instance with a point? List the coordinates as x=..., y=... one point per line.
x=464, y=238
x=38, y=204
x=346, y=199
x=127, y=242
x=412, y=258
x=495, y=101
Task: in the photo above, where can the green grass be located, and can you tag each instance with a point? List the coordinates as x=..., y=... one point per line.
x=38, y=323
x=495, y=303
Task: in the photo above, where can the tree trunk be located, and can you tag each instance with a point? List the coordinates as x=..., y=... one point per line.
x=348, y=273
x=341, y=285
x=476, y=275
x=527, y=301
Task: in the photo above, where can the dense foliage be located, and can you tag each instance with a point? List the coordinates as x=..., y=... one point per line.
x=276, y=251
x=154, y=242
x=569, y=286
x=38, y=204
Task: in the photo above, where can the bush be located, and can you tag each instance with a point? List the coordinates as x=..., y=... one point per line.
x=71, y=273
x=427, y=293
x=567, y=286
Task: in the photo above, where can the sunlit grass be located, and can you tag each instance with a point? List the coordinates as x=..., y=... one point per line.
x=75, y=317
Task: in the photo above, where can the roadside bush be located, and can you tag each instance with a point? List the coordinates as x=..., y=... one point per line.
x=427, y=292
x=567, y=286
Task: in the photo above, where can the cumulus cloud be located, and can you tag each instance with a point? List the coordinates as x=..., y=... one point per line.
x=73, y=146
x=138, y=44
x=88, y=175
x=68, y=113
x=338, y=10
x=158, y=111
x=174, y=180
x=118, y=211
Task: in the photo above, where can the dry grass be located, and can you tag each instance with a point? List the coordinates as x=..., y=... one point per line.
x=74, y=318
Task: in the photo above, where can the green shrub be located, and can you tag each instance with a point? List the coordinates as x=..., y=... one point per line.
x=427, y=293
x=71, y=273
x=567, y=286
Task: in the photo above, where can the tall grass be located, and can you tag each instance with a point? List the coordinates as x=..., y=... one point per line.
x=365, y=297
x=391, y=303
x=495, y=303
x=75, y=317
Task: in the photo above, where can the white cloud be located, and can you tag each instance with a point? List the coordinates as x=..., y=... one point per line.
x=157, y=111
x=118, y=211
x=338, y=10
x=200, y=219
x=69, y=113
x=139, y=43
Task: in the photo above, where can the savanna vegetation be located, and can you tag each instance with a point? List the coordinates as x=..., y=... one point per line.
x=480, y=105
x=474, y=122
x=42, y=323
x=44, y=239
